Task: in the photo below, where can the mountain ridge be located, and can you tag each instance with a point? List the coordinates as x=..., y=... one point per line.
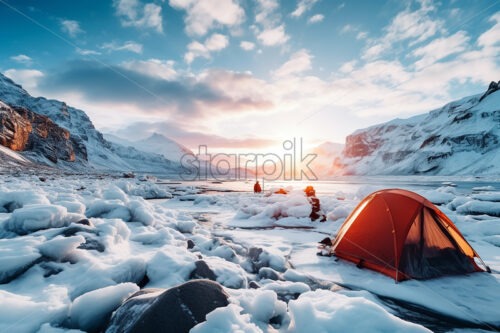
x=102, y=154
x=460, y=138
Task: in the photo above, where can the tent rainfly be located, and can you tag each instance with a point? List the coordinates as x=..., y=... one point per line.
x=403, y=235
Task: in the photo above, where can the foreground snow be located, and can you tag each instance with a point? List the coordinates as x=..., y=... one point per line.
x=73, y=248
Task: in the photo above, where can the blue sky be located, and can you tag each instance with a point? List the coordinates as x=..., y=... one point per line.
x=253, y=73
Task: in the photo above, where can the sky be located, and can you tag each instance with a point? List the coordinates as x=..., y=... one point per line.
x=249, y=74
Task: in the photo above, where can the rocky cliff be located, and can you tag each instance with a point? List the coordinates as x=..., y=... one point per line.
x=462, y=137
x=27, y=131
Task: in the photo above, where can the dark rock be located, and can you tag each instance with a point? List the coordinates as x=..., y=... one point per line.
x=85, y=222
x=253, y=285
x=268, y=273
x=202, y=271
x=254, y=253
x=175, y=310
x=42, y=179
x=92, y=244
x=190, y=244
x=494, y=86
x=326, y=241
x=73, y=229
x=50, y=269
x=145, y=280
x=129, y=175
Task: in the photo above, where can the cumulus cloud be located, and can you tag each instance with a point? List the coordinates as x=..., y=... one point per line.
x=203, y=15
x=299, y=62
x=273, y=36
x=215, y=42
x=316, y=18
x=71, y=27
x=247, y=46
x=270, y=31
x=132, y=13
x=266, y=12
x=127, y=46
x=22, y=59
x=302, y=7
x=28, y=78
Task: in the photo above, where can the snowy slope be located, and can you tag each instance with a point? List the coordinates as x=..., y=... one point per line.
x=102, y=155
x=156, y=143
x=461, y=138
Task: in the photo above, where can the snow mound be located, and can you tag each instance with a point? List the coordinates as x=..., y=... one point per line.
x=37, y=217
x=226, y=319
x=60, y=248
x=322, y=311
x=91, y=310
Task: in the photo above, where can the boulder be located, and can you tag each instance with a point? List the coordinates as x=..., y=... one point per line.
x=177, y=309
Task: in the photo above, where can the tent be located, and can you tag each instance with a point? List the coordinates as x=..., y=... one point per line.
x=403, y=235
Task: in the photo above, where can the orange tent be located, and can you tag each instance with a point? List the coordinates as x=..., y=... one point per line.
x=403, y=235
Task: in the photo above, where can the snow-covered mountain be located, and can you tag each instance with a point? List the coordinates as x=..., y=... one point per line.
x=461, y=138
x=101, y=154
x=156, y=143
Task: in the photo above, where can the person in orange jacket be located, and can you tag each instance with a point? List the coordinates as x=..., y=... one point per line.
x=256, y=188
x=316, y=212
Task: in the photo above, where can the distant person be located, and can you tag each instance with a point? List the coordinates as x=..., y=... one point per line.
x=257, y=188
x=316, y=212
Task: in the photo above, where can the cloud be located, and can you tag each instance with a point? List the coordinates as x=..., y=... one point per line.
x=440, y=48
x=316, y=18
x=247, y=46
x=87, y=52
x=273, y=36
x=132, y=13
x=203, y=15
x=153, y=67
x=269, y=30
x=266, y=12
x=22, y=59
x=28, y=78
x=362, y=35
x=348, y=66
x=215, y=42
x=299, y=62
x=71, y=27
x=209, y=94
x=492, y=36
x=127, y=46
x=413, y=26
x=302, y=7
x=347, y=28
